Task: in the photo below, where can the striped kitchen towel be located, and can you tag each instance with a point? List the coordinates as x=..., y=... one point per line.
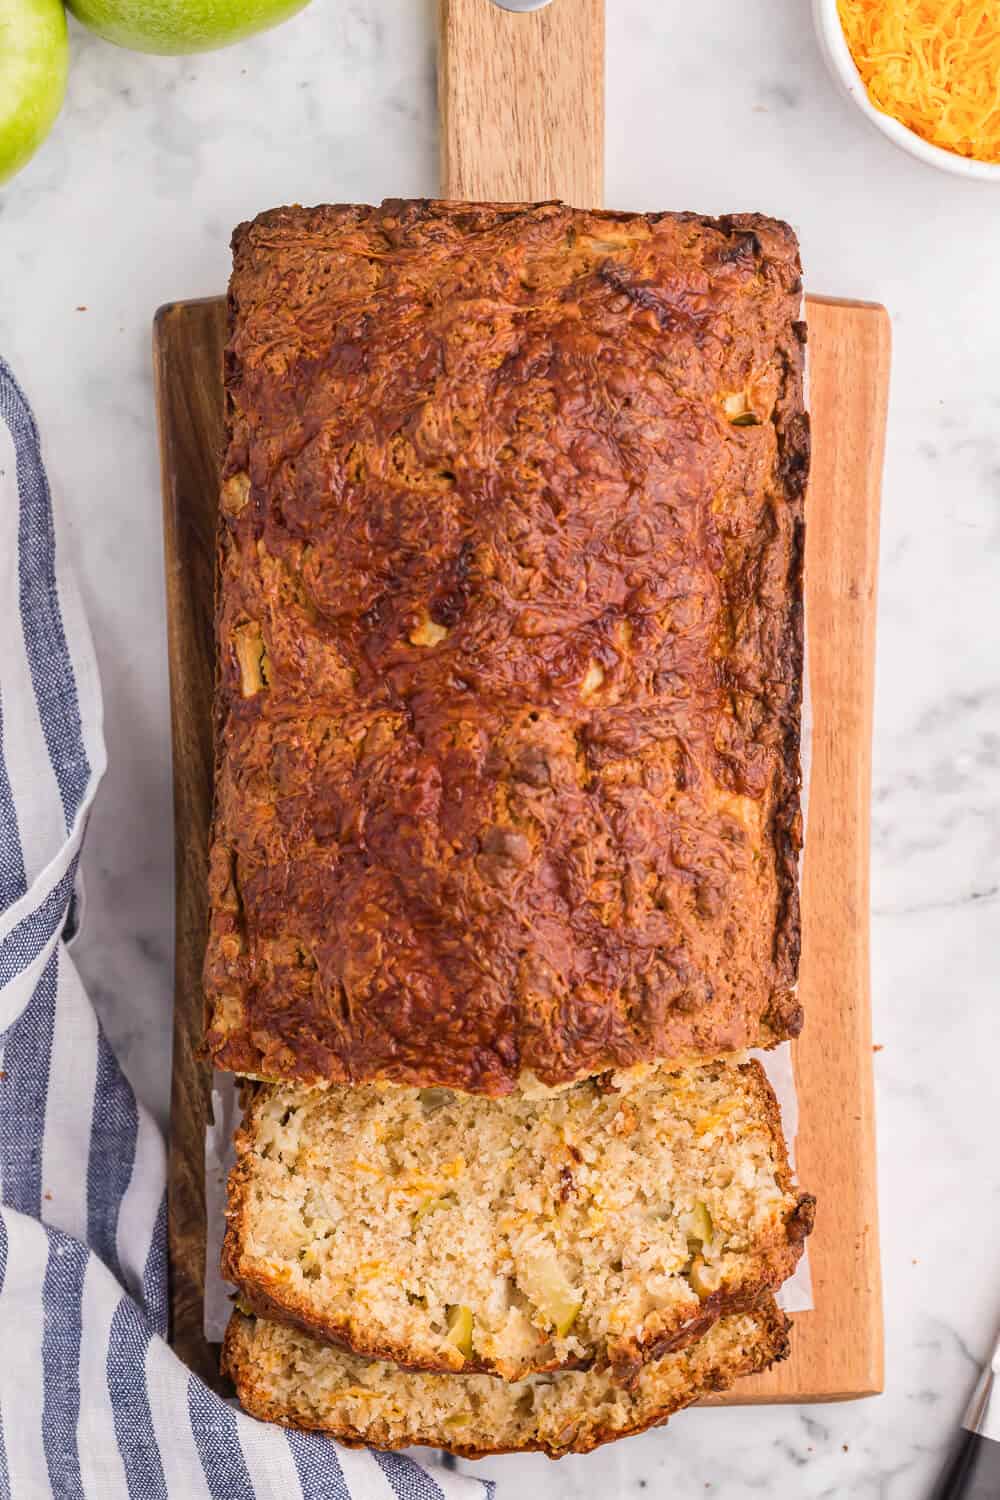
x=93, y=1403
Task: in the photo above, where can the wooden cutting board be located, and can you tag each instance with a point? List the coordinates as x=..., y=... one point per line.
x=522, y=115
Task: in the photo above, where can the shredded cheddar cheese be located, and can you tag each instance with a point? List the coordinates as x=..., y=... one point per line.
x=934, y=65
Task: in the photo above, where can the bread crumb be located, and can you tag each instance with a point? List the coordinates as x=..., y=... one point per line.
x=877, y=1046
x=583, y=1235
x=280, y=1372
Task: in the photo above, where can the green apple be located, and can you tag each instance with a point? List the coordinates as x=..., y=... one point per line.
x=180, y=25
x=34, y=58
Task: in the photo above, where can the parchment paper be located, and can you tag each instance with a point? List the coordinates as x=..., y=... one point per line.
x=219, y=1158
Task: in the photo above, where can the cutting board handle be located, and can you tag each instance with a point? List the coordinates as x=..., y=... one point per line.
x=521, y=100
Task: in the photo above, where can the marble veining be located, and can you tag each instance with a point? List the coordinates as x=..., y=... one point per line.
x=715, y=107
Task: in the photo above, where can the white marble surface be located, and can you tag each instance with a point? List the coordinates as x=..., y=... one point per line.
x=712, y=107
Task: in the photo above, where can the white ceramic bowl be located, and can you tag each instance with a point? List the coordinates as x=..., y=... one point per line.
x=841, y=65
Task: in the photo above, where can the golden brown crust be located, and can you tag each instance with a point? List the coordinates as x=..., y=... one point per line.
x=270, y=1296
x=509, y=634
x=271, y=1300
x=278, y=1306
x=247, y=1365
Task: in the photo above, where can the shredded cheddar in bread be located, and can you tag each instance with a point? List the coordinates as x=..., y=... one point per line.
x=284, y=1376
x=934, y=65
x=526, y=1257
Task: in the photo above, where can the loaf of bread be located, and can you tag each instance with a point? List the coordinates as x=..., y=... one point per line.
x=509, y=645
x=281, y=1375
x=599, y=1225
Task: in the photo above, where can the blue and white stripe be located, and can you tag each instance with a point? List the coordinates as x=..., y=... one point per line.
x=93, y=1403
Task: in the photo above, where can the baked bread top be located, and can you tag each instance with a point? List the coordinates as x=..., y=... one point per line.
x=509, y=644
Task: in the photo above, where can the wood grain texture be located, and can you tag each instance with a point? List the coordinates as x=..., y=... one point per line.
x=837, y=1349
x=521, y=98
x=188, y=340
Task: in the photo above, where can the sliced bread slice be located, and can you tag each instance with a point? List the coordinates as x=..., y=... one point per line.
x=281, y=1375
x=607, y=1223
